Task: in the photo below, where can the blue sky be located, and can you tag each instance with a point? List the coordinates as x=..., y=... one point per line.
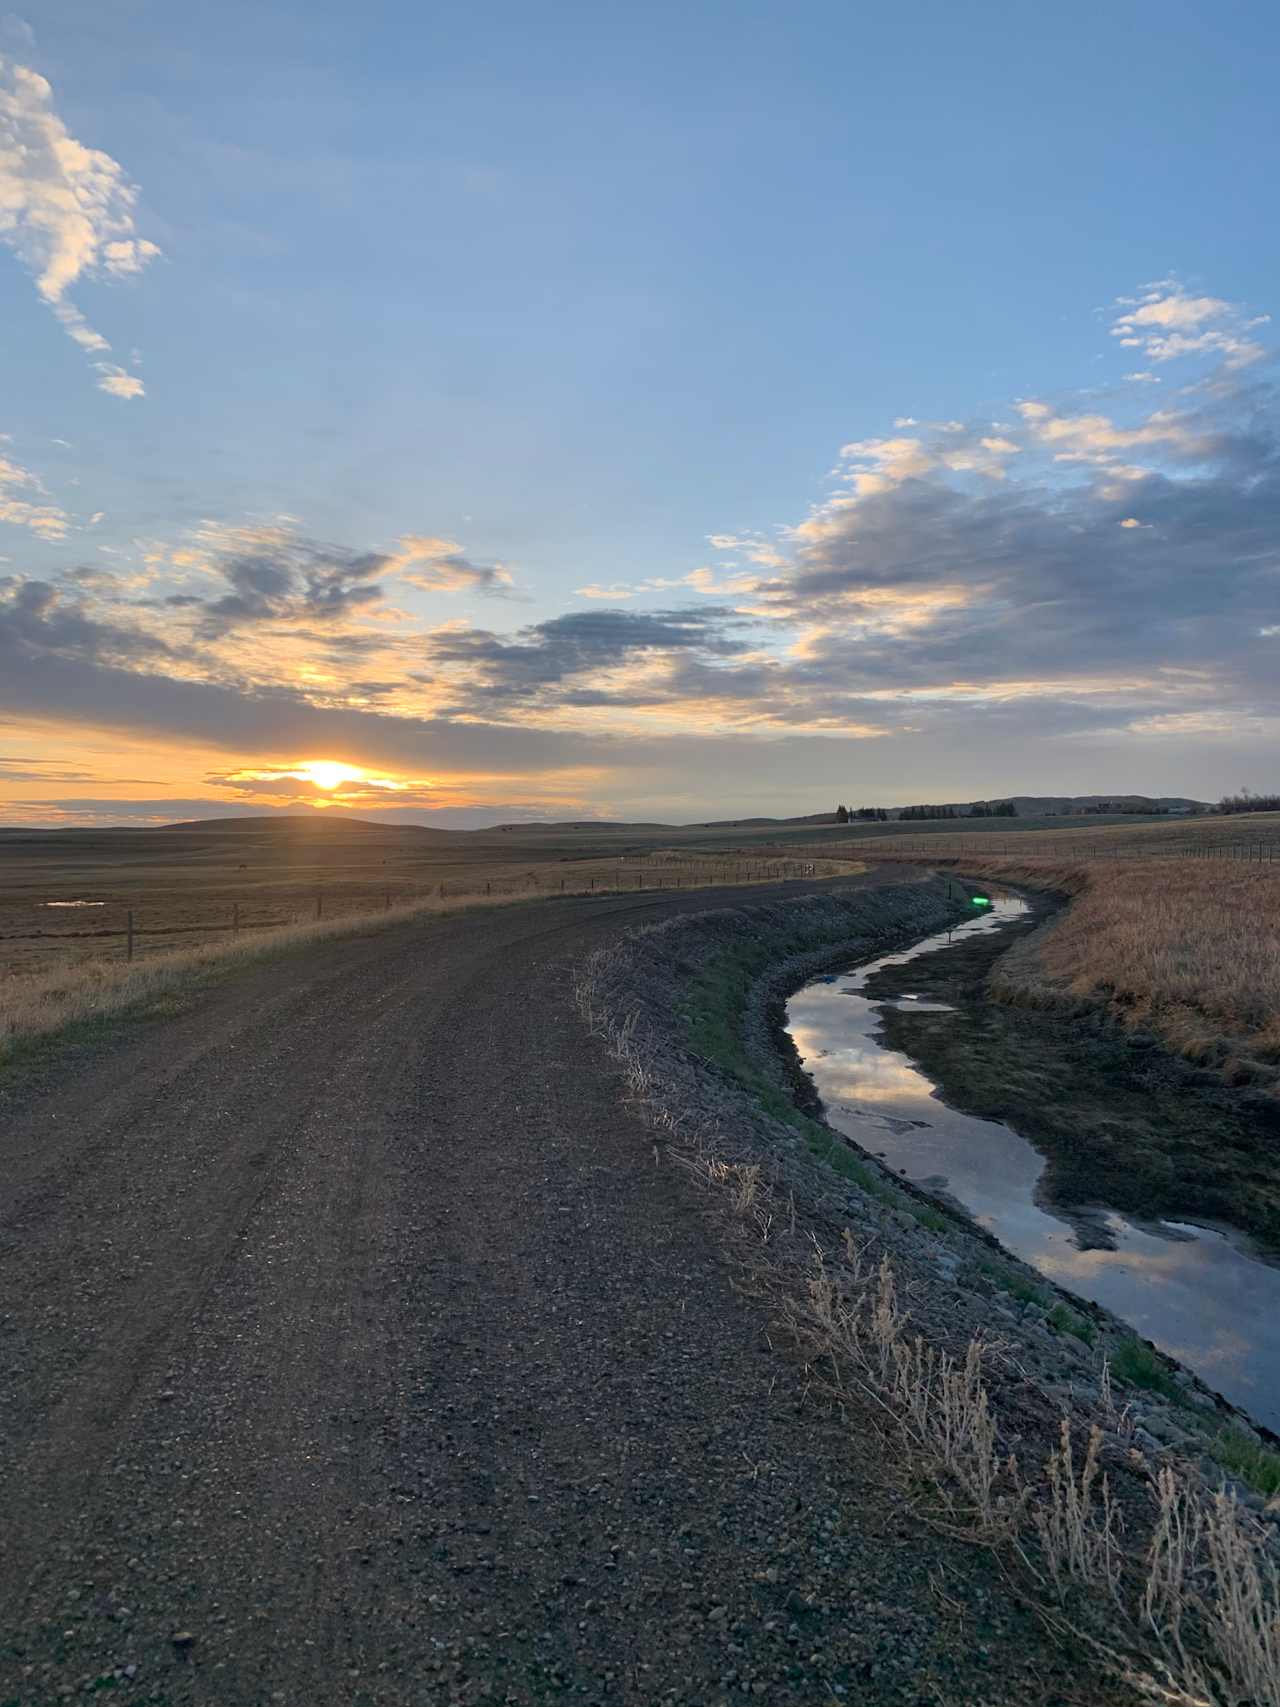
x=569, y=292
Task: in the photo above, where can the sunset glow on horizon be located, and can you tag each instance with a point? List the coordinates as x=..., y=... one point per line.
x=310, y=497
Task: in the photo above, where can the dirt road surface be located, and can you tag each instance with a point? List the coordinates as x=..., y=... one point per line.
x=351, y=1335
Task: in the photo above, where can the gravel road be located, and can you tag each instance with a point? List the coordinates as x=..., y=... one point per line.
x=354, y=1349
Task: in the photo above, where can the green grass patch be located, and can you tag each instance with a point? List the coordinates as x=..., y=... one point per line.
x=1135, y=1362
x=1014, y=1282
x=926, y=1215
x=1064, y=1320
x=1258, y=1467
x=714, y=1009
x=1058, y=1315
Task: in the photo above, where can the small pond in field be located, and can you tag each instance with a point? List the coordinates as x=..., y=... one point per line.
x=1199, y=1292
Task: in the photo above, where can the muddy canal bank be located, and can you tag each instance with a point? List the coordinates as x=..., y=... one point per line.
x=1117, y=1118
x=1088, y=1152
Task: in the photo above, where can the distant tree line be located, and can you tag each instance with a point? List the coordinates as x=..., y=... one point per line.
x=1248, y=801
x=1127, y=809
x=879, y=815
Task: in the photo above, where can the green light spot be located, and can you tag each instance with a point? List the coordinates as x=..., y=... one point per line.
x=980, y=900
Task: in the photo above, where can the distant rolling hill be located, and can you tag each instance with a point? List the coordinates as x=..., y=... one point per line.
x=326, y=823
x=1067, y=805
x=1027, y=806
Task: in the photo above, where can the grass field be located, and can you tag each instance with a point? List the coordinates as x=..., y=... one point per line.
x=1191, y=949
x=1186, y=947
x=65, y=896
x=205, y=898
x=1245, y=838
x=1176, y=921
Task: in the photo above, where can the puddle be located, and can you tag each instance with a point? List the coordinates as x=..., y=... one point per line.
x=75, y=903
x=1197, y=1291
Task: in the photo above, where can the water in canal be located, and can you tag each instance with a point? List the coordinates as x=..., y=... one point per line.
x=1196, y=1291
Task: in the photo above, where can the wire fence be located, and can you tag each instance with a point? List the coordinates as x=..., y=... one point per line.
x=1262, y=851
x=150, y=926
x=127, y=929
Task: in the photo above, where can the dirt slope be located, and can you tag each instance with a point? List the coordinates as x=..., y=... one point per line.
x=348, y=1327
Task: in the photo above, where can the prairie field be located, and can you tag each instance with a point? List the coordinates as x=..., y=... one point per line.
x=208, y=897
x=1186, y=947
x=66, y=896
x=1245, y=838
x=1175, y=921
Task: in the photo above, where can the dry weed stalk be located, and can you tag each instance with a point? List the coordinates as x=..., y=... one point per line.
x=939, y=1402
x=1210, y=1573
x=1078, y=1525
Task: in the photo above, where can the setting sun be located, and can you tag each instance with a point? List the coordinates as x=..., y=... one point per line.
x=328, y=773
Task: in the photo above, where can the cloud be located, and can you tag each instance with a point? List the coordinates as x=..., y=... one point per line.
x=41, y=620
x=21, y=770
x=439, y=566
x=116, y=382
x=575, y=659
x=617, y=590
x=753, y=546
x=877, y=465
x=1166, y=322
x=273, y=574
x=1048, y=599
x=1098, y=438
x=17, y=29
x=20, y=492
x=66, y=210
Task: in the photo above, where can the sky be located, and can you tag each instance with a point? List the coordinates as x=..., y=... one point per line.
x=456, y=414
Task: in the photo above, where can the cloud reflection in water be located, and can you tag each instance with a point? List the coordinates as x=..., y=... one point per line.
x=1195, y=1291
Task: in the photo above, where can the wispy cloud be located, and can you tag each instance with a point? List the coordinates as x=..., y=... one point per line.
x=441, y=566
x=67, y=212
x=616, y=590
x=1165, y=321
x=16, y=29
x=22, y=502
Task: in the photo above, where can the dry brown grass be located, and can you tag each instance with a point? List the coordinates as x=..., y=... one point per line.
x=37, y=1003
x=69, y=980
x=1188, y=948
x=184, y=886
x=1192, y=948
x=1243, y=838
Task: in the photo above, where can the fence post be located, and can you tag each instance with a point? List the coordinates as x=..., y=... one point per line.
x=235, y=919
x=320, y=906
x=128, y=948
